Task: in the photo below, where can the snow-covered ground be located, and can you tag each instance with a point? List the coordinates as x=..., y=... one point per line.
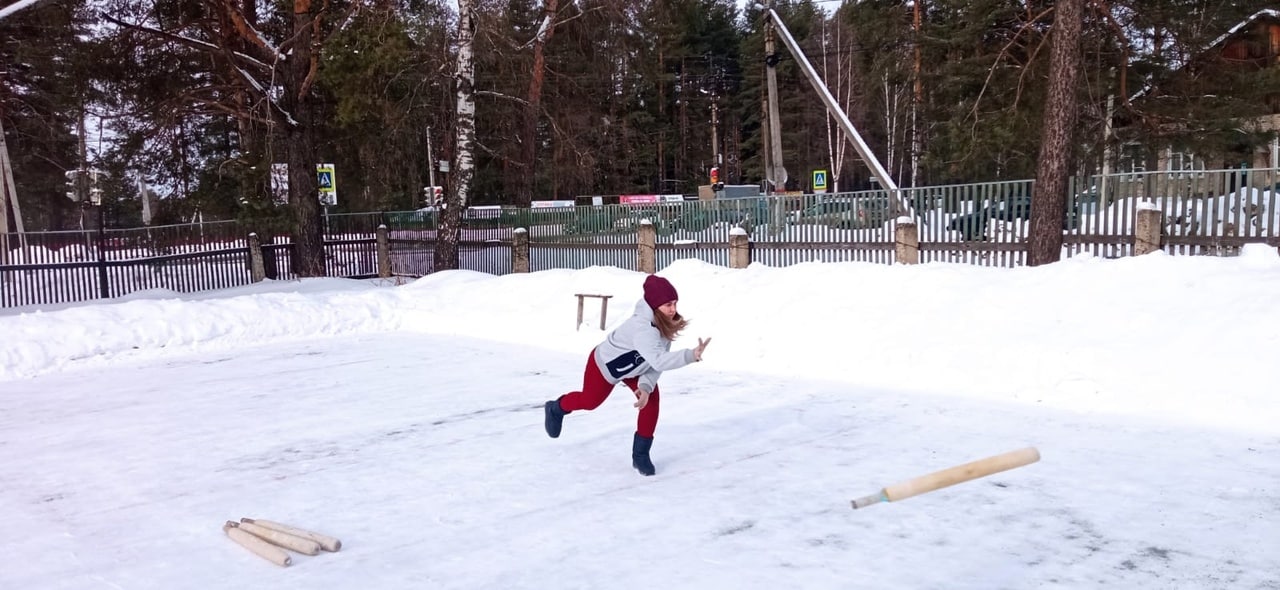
x=406, y=420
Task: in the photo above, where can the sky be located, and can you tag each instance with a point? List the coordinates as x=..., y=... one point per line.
x=404, y=417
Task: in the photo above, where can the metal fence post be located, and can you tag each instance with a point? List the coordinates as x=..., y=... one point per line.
x=103, y=289
x=1147, y=226
x=520, y=251
x=739, y=248
x=384, y=252
x=647, y=238
x=257, y=270
x=907, y=241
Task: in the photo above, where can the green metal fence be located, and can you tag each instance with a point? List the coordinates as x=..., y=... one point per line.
x=1206, y=212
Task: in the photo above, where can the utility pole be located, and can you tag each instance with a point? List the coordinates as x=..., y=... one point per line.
x=1106, y=151
x=4, y=198
x=10, y=191
x=81, y=187
x=765, y=154
x=877, y=170
x=715, y=131
x=431, y=171
x=146, y=200
x=777, y=172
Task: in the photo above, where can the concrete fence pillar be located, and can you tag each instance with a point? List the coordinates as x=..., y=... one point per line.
x=907, y=241
x=647, y=238
x=739, y=248
x=520, y=251
x=257, y=269
x=1146, y=237
x=384, y=252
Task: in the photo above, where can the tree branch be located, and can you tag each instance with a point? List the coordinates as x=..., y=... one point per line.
x=503, y=96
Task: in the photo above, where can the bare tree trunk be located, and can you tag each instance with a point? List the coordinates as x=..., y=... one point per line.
x=683, y=159
x=917, y=97
x=529, y=134
x=1048, y=211
x=832, y=164
x=844, y=93
x=308, y=238
x=891, y=114
x=446, y=252
x=662, y=129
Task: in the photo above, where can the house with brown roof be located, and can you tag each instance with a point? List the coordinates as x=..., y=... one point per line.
x=1249, y=50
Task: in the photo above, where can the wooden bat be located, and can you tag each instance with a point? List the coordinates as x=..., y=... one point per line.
x=951, y=476
x=292, y=542
x=326, y=542
x=262, y=548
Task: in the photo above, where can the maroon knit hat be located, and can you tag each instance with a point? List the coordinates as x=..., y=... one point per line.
x=658, y=291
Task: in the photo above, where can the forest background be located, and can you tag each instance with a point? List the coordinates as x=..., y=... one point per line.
x=580, y=97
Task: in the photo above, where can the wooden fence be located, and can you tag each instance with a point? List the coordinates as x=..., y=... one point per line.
x=1208, y=212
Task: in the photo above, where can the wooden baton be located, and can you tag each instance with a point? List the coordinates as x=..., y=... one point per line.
x=326, y=542
x=259, y=547
x=951, y=476
x=279, y=539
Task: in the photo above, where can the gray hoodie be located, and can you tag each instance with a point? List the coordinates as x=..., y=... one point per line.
x=637, y=348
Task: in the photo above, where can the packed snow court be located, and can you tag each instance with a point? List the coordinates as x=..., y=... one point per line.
x=409, y=421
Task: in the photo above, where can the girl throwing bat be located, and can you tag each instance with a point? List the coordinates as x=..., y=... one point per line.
x=635, y=353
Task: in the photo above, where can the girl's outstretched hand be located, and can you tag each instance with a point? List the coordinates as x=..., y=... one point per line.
x=642, y=398
x=702, y=345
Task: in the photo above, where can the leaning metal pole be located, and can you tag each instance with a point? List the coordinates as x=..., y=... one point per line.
x=833, y=107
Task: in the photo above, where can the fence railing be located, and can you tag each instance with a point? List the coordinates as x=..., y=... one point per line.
x=1205, y=212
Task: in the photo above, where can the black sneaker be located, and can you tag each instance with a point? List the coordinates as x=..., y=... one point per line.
x=554, y=419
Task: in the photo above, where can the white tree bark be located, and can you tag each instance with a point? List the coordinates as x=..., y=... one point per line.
x=464, y=161
x=459, y=189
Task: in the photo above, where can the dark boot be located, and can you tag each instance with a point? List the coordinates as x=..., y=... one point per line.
x=640, y=455
x=554, y=418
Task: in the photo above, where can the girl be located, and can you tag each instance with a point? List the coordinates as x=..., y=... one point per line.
x=635, y=353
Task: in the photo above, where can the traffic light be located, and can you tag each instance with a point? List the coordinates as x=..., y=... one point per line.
x=433, y=196
x=716, y=185
x=73, y=185
x=82, y=185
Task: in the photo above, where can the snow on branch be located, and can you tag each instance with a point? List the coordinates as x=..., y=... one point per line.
x=263, y=91
x=251, y=33
x=188, y=41
x=16, y=6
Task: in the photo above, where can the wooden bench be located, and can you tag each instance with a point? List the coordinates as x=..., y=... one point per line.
x=604, y=308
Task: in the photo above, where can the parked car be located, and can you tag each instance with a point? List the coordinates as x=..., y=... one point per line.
x=860, y=213
x=746, y=213
x=589, y=221
x=973, y=226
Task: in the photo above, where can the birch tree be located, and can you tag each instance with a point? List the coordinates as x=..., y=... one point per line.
x=446, y=251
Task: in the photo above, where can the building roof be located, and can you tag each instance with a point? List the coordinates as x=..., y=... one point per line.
x=1240, y=26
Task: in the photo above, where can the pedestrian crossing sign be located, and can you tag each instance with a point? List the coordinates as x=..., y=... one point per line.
x=819, y=181
x=328, y=184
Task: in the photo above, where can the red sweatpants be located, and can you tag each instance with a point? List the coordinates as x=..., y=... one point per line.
x=595, y=389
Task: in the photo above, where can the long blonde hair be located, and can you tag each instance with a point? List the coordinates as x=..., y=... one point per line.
x=669, y=327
